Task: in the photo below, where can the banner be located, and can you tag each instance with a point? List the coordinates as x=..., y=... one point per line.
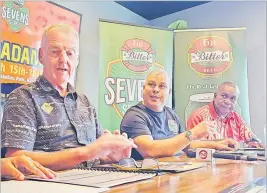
x=22, y=27
x=203, y=60
x=127, y=55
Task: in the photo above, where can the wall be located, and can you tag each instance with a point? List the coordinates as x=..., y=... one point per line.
x=92, y=11
x=251, y=15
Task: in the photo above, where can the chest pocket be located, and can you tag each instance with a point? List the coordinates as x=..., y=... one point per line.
x=173, y=126
x=85, y=125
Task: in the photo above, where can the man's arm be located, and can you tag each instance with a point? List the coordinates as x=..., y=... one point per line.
x=105, y=145
x=135, y=124
x=59, y=160
x=148, y=147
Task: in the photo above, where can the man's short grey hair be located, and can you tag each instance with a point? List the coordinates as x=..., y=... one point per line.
x=159, y=72
x=229, y=83
x=64, y=26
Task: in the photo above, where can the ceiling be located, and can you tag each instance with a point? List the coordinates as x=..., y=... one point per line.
x=155, y=9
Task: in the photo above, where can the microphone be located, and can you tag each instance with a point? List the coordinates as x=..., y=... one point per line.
x=235, y=157
x=192, y=154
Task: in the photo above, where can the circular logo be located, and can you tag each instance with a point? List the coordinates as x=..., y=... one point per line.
x=18, y=3
x=210, y=55
x=137, y=54
x=203, y=154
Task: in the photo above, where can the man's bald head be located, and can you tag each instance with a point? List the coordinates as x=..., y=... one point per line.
x=158, y=73
x=156, y=90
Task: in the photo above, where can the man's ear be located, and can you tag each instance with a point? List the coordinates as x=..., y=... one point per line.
x=170, y=91
x=78, y=60
x=40, y=55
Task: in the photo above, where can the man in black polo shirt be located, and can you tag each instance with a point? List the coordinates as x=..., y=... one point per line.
x=49, y=121
x=157, y=130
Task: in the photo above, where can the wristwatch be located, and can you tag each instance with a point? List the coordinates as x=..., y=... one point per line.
x=188, y=135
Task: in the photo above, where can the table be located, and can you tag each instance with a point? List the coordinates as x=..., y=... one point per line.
x=211, y=179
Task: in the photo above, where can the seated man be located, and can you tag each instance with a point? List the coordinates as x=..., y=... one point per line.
x=49, y=121
x=156, y=129
x=229, y=124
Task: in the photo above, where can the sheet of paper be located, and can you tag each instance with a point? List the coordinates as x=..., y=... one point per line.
x=13, y=186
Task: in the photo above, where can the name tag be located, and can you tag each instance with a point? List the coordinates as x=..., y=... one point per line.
x=173, y=126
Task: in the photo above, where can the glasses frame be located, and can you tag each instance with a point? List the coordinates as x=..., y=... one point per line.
x=136, y=168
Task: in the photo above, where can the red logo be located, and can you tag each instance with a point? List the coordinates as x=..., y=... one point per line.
x=203, y=154
x=137, y=54
x=210, y=55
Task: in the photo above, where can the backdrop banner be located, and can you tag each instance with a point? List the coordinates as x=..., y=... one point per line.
x=22, y=27
x=127, y=54
x=204, y=59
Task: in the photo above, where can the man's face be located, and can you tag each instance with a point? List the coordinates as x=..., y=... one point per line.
x=225, y=100
x=59, y=55
x=156, y=91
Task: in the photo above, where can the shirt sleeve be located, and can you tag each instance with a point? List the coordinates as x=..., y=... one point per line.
x=181, y=128
x=193, y=121
x=246, y=133
x=134, y=124
x=99, y=128
x=19, y=123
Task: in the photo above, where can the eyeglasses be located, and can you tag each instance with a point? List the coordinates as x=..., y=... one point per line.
x=130, y=164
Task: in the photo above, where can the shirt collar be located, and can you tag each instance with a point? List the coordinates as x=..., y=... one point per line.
x=48, y=87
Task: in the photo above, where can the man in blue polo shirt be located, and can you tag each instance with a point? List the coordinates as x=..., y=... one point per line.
x=157, y=130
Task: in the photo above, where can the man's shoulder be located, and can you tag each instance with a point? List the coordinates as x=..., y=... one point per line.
x=137, y=109
x=26, y=89
x=84, y=99
x=236, y=115
x=170, y=110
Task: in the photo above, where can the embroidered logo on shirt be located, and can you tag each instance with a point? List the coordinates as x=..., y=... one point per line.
x=173, y=126
x=47, y=108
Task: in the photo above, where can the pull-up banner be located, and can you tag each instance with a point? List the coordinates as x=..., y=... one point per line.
x=204, y=59
x=127, y=54
x=22, y=27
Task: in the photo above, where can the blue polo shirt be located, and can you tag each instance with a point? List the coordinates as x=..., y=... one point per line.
x=140, y=120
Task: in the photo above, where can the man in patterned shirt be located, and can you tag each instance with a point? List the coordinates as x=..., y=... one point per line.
x=50, y=122
x=229, y=124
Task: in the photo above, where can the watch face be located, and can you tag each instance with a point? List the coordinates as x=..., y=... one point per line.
x=188, y=135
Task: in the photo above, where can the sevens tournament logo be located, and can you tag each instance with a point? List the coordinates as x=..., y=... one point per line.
x=125, y=76
x=210, y=55
x=15, y=14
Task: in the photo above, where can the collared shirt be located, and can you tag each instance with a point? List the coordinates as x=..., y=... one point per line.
x=231, y=126
x=36, y=117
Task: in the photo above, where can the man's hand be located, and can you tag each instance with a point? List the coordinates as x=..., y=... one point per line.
x=114, y=146
x=13, y=167
x=224, y=144
x=255, y=144
x=203, y=129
